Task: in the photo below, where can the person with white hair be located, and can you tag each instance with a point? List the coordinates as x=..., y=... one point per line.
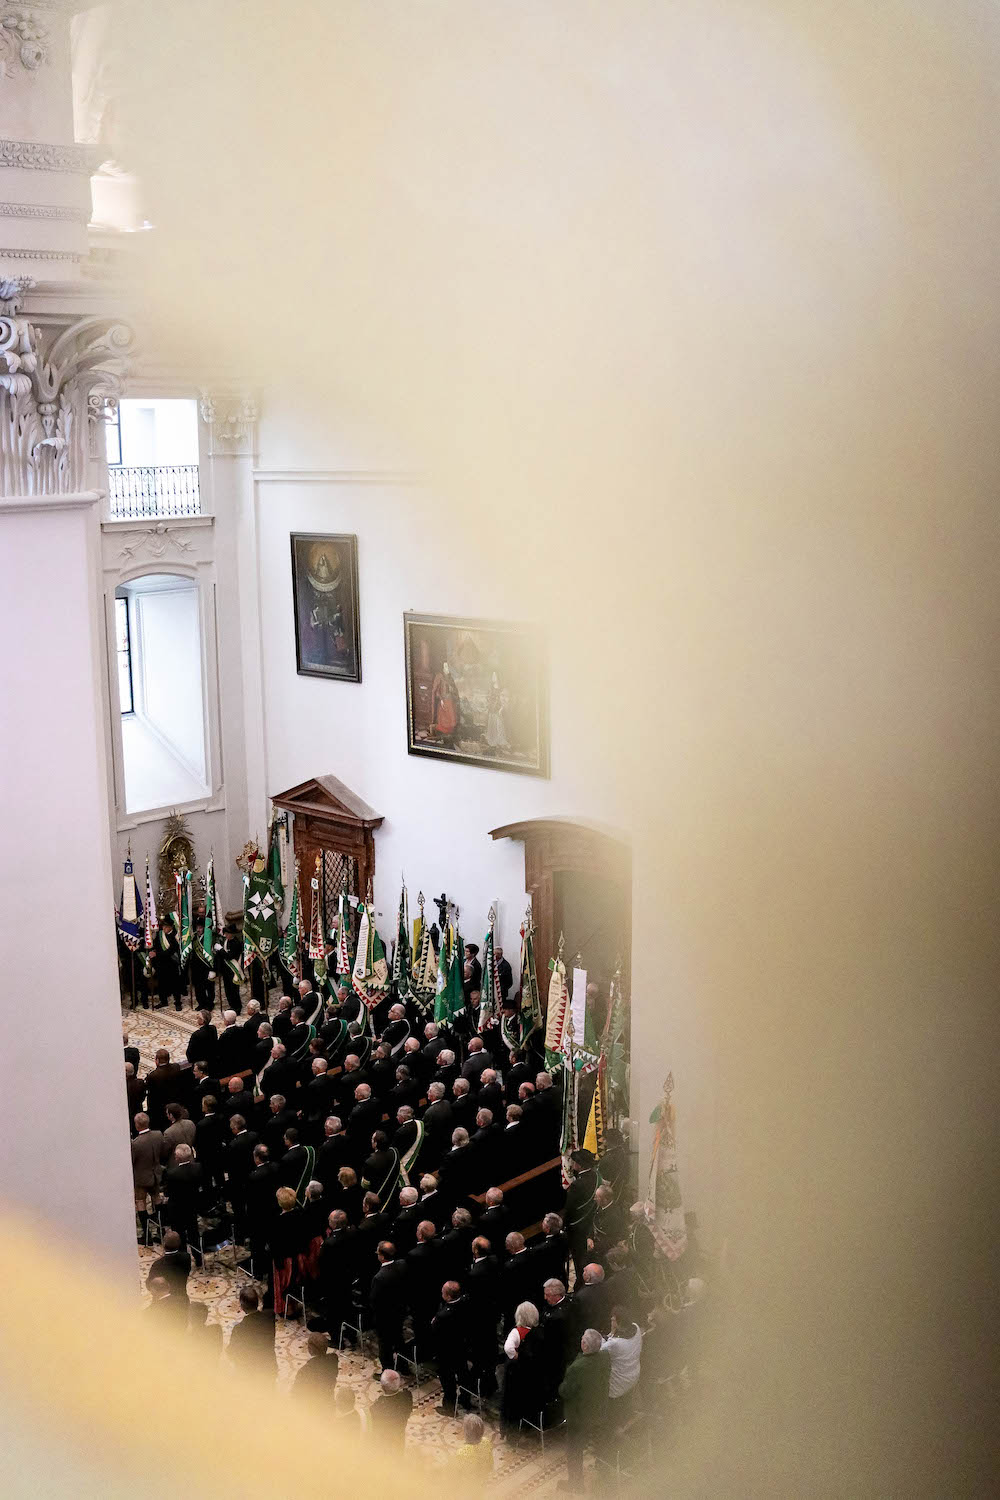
x=584, y=1393
x=182, y=1182
x=391, y=1411
x=234, y=1050
x=521, y=1394
x=474, y=1460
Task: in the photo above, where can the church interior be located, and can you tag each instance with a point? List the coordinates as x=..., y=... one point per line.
x=495, y=508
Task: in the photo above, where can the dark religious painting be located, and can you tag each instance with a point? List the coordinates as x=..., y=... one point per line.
x=325, y=600
x=475, y=692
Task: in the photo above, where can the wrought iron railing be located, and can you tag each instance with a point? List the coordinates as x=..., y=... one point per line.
x=136, y=493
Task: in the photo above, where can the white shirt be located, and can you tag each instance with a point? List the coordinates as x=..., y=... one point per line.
x=625, y=1354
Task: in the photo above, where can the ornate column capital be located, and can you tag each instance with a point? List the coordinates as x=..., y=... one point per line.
x=48, y=377
x=231, y=422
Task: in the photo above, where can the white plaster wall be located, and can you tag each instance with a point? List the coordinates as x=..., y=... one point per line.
x=65, y=1157
x=437, y=816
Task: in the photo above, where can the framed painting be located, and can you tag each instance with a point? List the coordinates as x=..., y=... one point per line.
x=325, y=605
x=476, y=693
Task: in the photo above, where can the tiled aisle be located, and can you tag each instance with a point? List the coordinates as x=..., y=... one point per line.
x=437, y=1436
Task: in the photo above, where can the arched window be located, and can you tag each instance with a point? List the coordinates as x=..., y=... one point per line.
x=164, y=749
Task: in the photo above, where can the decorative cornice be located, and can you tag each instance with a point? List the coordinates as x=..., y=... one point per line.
x=43, y=211
x=20, y=252
x=156, y=540
x=9, y=504
x=41, y=156
x=335, y=476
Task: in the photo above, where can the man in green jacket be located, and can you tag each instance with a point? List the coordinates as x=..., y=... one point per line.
x=584, y=1392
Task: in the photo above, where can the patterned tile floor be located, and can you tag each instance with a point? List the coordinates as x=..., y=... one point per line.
x=526, y=1469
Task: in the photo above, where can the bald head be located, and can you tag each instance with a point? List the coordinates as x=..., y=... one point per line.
x=593, y=1273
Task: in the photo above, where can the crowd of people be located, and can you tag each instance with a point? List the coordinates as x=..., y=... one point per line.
x=400, y=1182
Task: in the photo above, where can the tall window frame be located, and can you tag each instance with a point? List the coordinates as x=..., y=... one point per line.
x=123, y=654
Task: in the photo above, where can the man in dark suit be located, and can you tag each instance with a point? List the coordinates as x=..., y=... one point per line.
x=372, y=1229
x=281, y=1023
x=405, y=1090
x=456, y=1246
x=438, y=1126
x=520, y=1072
x=238, y=1098
x=421, y=1068
x=543, y=1112
x=334, y=1153
x=364, y=1118
x=390, y=1413
x=252, y=1339
x=135, y=1093
x=211, y=1138
x=504, y=975
x=350, y=1078
x=182, y=1184
x=463, y=1105
x=404, y=1141
x=515, y=1150
x=381, y=1071
x=450, y=1338
x=447, y=1068
x=239, y=1165
x=272, y=1123
x=424, y=1283
x=204, y=1085
x=162, y=1088
x=295, y=1160
x=234, y=1050
x=495, y=1223
x=338, y=1265
x=549, y=1255
x=578, y=1213
x=472, y=971
x=279, y=1077
x=556, y=1329
x=435, y=1042
x=173, y=1265
x=457, y=1170
x=476, y=1062
x=487, y=1148
x=317, y=1100
x=404, y=1224
x=380, y=1171
x=202, y=1041
x=261, y=1207
x=590, y=1302
x=387, y=1299
x=131, y=1053
x=490, y=1095
x=483, y=1289
x=515, y=1278
x=232, y=953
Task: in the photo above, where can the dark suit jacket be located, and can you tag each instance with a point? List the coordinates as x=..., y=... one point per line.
x=338, y=1264
x=451, y=1332
x=253, y=1338
x=183, y=1184
x=476, y=1064
x=239, y=1161
x=334, y=1153
x=590, y=1309
x=423, y=1264
x=237, y=1104
x=389, y=1291
x=404, y=1228
x=201, y=1045
x=261, y=1204
x=164, y=1085
x=211, y=1139
x=495, y=1225
x=132, y=1056
x=491, y=1097
x=389, y=1415
x=515, y=1284
x=482, y=1284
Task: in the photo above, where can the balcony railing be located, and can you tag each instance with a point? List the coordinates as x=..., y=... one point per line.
x=138, y=493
